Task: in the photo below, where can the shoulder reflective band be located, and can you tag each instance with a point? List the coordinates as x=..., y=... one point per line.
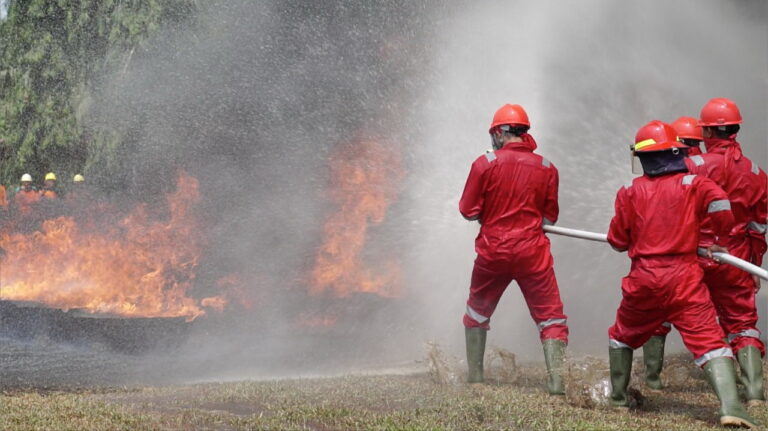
x=545, y=162
x=490, y=156
x=642, y=144
x=721, y=205
x=755, y=168
x=479, y=318
x=723, y=352
x=688, y=180
x=757, y=227
x=550, y=322
x=615, y=344
x=628, y=185
x=697, y=160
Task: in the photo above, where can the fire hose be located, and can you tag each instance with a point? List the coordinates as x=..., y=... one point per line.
x=720, y=256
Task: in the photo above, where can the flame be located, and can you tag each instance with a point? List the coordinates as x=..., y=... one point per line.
x=364, y=182
x=140, y=266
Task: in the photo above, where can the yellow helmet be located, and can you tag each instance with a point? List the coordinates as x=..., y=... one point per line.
x=78, y=178
x=50, y=176
x=26, y=178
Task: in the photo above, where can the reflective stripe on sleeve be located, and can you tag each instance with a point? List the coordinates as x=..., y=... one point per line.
x=697, y=160
x=615, y=344
x=545, y=162
x=479, y=318
x=721, y=205
x=757, y=227
x=490, y=156
x=751, y=333
x=688, y=180
x=551, y=322
x=723, y=352
x=755, y=168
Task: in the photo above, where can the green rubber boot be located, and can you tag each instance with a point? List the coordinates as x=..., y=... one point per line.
x=554, y=356
x=621, y=368
x=752, y=373
x=653, y=356
x=722, y=376
x=475, y=338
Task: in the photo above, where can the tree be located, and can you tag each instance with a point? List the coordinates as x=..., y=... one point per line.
x=53, y=54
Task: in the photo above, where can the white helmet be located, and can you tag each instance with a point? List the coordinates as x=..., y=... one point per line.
x=26, y=178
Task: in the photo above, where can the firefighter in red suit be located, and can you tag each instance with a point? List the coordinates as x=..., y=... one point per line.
x=690, y=134
x=512, y=192
x=658, y=218
x=733, y=291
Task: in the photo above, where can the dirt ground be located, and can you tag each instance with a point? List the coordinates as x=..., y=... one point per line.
x=434, y=398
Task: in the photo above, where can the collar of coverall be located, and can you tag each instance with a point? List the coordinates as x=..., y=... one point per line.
x=719, y=145
x=527, y=144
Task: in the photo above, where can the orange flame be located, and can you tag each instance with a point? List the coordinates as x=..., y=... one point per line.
x=137, y=267
x=364, y=182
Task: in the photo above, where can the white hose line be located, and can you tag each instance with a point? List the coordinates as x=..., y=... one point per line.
x=722, y=257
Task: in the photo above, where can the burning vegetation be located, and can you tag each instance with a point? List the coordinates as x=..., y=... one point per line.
x=365, y=177
x=139, y=265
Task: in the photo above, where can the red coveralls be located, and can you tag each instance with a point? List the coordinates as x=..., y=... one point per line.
x=733, y=290
x=658, y=220
x=512, y=192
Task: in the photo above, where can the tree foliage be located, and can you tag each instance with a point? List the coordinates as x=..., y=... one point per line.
x=53, y=54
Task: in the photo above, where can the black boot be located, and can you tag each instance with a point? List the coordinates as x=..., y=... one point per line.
x=475, y=338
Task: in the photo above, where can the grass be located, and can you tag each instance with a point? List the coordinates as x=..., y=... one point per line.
x=386, y=402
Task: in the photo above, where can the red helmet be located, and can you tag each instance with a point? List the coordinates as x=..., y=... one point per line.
x=719, y=112
x=656, y=136
x=510, y=114
x=688, y=128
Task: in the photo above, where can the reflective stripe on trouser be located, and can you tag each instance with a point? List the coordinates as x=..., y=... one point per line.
x=733, y=293
x=723, y=352
x=667, y=293
x=490, y=279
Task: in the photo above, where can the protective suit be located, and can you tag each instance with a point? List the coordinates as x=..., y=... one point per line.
x=657, y=220
x=512, y=192
x=733, y=290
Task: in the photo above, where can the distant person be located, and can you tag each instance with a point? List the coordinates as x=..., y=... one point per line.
x=733, y=290
x=658, y=218
x=49, y=187
x=78, y=198
x=512, y=192
x=26, y=197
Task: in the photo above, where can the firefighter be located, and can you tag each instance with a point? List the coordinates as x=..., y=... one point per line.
x=512, y=192
x=27, y=197
x=690, y=134
x=733, y=291
x=657, y=220
x=49, y=187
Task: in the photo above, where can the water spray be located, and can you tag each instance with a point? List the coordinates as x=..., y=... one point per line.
x=719, y=256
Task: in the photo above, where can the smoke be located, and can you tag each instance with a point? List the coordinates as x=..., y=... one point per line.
x=254, y=98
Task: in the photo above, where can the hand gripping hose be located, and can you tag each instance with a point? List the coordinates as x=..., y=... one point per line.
x=722, y=257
